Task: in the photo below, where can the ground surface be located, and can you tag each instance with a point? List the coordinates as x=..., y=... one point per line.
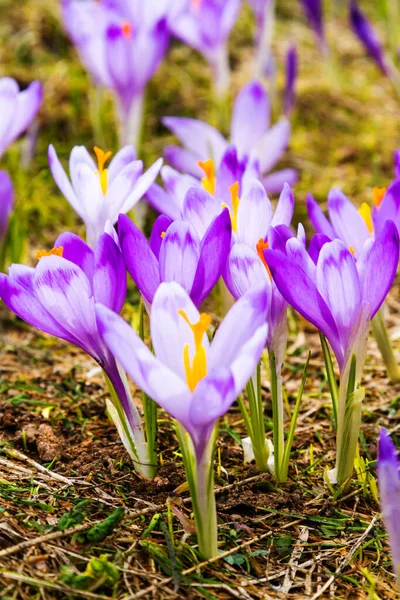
x=57, y=448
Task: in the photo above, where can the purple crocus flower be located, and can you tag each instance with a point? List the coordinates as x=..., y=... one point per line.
x=368, y=37
x=196, y=397
x=6, y=204
x=205, y=25
x=354, y=227
x=58, y=297
x=98, y=193
x=389, y=492
x=256, y=144
x=314, y=12
x=17, y=109
x=332, y=293
x=175, y=253
x=291, y=76
x=340, y=296
x=264, y=13
x=121, y=44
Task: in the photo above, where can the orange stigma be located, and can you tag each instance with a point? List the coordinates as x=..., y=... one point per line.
x=352, y=251
x=196, y=371
x=378, y=195
x=126, y=29
x=365, y=212
x=53, y=252
x=163, y=234
x=102, y=158
x=260, y=247
x=208, y=182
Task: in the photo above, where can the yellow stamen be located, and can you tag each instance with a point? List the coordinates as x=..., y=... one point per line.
x=163, y=234
x=126, y=29
x=196, y=371
x=53, y=252
x=377, y=195
x=260, y=247
x=208, y=182
x=234, y=190
x=102, y=158
x=352, y=251
x=365, y=212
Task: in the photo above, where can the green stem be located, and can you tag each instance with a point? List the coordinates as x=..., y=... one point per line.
x=330, y=373
x=254, y=420
x=385, y=347
x=200, y=478
x=96, y=109
x=277, y=416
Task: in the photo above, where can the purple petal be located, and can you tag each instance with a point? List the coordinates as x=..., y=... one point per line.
x=139, y=259
x=230, y=171
x=27, y=106
x=119, y=57
x=250, y=119
x=389, y=492
x=273, y=144
x=179, y=254
x=284, y=210
x=200, y=208
x=163, y=202
x=153, y=377
x=316, y=243
x=347, y=222
x=254, y=214
x=338, y=283
x=141, y=186
x=170, y=332
x=239, y=327
x=109, y=279
x=213, y=255
x=124, y=157
x=396, y=164
x=160, y=226
x=314, y=13
x=381, y=266
x=301, y=293
x=318, y=219
x=78, y=252
x=183, y=160
x=296, y=252
x=199, y=137
x=290, y=82
x=388, y=209
x=368, y=36
x=63, y=182
x=6, y=203
x=274, y=182
x=244, y=270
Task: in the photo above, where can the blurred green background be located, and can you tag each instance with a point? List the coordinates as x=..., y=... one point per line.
x=345, y=126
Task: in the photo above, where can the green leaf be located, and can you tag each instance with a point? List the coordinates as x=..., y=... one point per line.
x=100, y=531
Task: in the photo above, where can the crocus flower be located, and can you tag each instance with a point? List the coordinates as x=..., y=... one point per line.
x=368, y=37
x=314, y=12
x=291, y=76
x=194, y=380
x=340, y=296
x=17, y=109
x=58, y=297
x=264, y=12
x=205, y=25
x=99, y=193
x=6, y=204
x=121, y=45
x=175, y=253
x=389, y=492
x=256, y=143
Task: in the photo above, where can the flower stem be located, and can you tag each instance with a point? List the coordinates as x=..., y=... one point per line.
x=385, y=347
x=264, y=40
x=200, y=478
x=277, y=416
x=131, y=122
x=254, y=419
x=127, y=420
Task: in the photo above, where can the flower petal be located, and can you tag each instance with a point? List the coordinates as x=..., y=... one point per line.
x=381, y=266
x=27, y=106
x=284, y=210
x=250, y=119
x=160, y=226
x=183, y=160
x=319, y=221
x=273, y=144
x=274, y=182
x=199, y=137
x=347, y=222
x=200, y=208
x=163, y=202
x=78, y=252
x=139, y=259
x=179, y=254
x=213, y=255
x=126, y=155
x=61, y=179
x=109, y=281
x=147, y=371
x=389, y=208
x=254, y=214
x=141, y=186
